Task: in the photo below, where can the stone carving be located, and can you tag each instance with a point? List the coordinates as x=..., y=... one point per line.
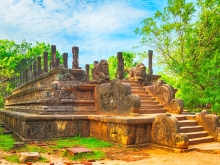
x=116, y=98
x=165, y=94
x=209, y=122
x=100, y=73
x=166, y=131
x=176, y=106
x=139, y=73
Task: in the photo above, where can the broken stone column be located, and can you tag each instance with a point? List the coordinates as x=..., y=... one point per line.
x=53, y=56
x=24, y=78
x=150, y=55
x=120, y=69
x=57, y=62
x=45, y=62
x=75, y=52
x=35, y=69
x=65, y=60
x=30, y=73
x=87, y=72
x=26, y=75
x=39, y=70
x=21, y=78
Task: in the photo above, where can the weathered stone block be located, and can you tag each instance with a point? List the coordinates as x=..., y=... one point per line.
x=166, y=131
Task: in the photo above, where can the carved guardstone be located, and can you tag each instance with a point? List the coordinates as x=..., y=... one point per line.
x=166, y=131
x=116, y=98
x=165, y=94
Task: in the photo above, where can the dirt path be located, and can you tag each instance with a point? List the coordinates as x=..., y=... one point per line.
x=123, y=156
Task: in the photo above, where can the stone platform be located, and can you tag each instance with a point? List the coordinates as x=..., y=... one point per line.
x=133, y=130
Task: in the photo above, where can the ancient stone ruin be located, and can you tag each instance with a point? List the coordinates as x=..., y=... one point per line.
x=55, y=101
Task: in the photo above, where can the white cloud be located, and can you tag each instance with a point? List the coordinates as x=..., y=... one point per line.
x=97, y=28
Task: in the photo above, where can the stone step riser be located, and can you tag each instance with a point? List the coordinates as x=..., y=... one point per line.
x=188, y=123
x=191, y=129
x=149, y=103
x=151, y=107
x=197, y=135
x=151, y=111
x=197, y=141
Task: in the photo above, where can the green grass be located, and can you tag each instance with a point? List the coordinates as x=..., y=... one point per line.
x=43, y=160
x=12, y=158
x=33, y=148
x=79, y=141
x=6, y=141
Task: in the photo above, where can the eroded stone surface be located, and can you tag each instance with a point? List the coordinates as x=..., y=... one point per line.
x=166, y=131
x=116, y=98
x=209, y=122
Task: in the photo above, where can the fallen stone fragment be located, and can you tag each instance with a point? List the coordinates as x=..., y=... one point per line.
x=73, y=151
x=18, y=144
x=28, y=156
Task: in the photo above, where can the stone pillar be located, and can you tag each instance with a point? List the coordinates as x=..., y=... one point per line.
x=57, y=62
x=75, y=52
x=120, y=69
x=45, y=62
x=30, y=73
x=65, y=60
x=39, y=70
x=87, y=72
x=35, y=70
x=26, y=75
x=53, y=56
x=95, y=62
x=150, y=54
x=21, y=78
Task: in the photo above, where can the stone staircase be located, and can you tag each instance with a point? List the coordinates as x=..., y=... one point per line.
x=195, y=133
x=187, y=122
x=149, y=105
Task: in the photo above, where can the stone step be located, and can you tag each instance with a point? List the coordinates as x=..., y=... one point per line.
x=193, y=135
x=149, y=102
x=184, y=123
x=152, y=106
x=152, y=111
x=139, y=92
x=191, y=129
x=131, y=82
x=201, y=140
x=180, y=117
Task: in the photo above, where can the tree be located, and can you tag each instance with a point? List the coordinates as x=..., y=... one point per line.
x=188, y=47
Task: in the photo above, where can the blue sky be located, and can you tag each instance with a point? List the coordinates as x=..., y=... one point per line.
x=100, y=28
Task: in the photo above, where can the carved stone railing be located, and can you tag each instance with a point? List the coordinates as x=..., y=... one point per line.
x=115, y=98
x=210, y=123
x=165, y=95
x=166, y=131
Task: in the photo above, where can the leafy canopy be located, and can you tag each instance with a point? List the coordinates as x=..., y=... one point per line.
x=186, y=36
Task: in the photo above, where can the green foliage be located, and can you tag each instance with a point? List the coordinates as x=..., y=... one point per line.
x=129, y=62
x=188, y=47
x=12, y=159
x=79, y=141
x=6, y=141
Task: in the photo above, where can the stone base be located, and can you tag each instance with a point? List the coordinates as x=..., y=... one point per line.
x=129, y=131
